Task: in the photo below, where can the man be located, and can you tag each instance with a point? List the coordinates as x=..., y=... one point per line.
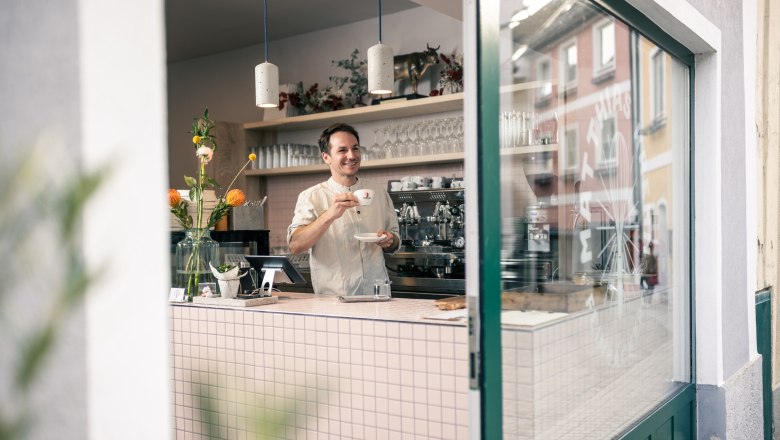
x=327, y=217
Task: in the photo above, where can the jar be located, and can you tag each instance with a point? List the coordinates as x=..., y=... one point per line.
x=193, y=255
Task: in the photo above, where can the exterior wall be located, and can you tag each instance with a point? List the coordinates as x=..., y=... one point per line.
x=727, y=15
x=81, y=77
x=768, y=172
x=37, y=103
x=225, y=82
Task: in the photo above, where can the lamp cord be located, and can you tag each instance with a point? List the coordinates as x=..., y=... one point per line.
x=380, y=21
x=265, y=28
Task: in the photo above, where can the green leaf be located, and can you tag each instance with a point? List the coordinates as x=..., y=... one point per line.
x=33, y=356
x=213, y=183
x=191, y=182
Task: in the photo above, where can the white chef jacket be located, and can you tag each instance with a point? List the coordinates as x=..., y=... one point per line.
x=339, y=263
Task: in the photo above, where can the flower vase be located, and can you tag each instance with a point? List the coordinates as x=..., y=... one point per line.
x=193, y=255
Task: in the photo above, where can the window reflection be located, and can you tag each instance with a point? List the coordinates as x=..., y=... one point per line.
x=593, y=141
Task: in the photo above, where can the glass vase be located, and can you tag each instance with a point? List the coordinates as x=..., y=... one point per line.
x=193, y=255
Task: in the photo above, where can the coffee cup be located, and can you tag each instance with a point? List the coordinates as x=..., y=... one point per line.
x=364, y=196
x=457, y=183
x=396, y=186
x=408, y=185
x=420, y=180
x=437, y=182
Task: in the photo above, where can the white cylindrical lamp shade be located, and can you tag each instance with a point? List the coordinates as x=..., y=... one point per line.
x=266, y=85
x=380, y=69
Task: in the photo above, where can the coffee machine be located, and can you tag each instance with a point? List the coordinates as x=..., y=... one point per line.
x=431, y=260
x=529, y=253
x=530, y=245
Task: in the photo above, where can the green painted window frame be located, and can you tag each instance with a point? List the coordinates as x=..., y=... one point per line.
x=489, y=213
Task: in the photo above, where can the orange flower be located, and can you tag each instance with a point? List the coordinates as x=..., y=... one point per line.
x=235, y=197
x=173, y=198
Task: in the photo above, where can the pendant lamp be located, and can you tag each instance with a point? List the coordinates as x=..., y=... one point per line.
x=380, y=64
x=266, y=74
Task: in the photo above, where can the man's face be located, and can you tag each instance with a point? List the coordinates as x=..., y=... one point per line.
x=344, y=157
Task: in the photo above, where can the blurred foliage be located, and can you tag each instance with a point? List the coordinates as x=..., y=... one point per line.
x=37, y=207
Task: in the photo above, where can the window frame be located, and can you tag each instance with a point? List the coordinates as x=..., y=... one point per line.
x=568, y=85
x=602, y=71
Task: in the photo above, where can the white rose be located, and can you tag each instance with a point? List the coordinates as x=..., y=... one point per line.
x=205, y=152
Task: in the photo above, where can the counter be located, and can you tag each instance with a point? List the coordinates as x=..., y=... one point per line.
x=326, y=369
x=315, y=367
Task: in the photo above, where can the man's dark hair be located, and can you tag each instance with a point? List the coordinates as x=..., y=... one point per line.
x=335, y=128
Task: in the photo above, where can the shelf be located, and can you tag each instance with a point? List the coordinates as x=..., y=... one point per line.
x=396, y=162
x=367, y=165
x=520, y=87
x=529, y=149
x=389, y=110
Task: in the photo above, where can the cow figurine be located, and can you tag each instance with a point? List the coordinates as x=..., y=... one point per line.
x=413, y=65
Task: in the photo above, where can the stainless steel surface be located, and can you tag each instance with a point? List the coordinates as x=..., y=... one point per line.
x=432, y=259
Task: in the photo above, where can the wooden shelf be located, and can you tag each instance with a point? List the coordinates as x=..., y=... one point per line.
x=389, y=110
x=367, y=165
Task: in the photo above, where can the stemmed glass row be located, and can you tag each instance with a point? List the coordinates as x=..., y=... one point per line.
x=404, y=139
x=417, y=138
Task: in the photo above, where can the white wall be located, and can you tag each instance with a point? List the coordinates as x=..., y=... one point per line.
x=225, y=82
x=87, y=84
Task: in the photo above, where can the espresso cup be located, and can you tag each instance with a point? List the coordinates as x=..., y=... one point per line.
x=364, y=196
x=420, y=180
x=408, y=185
x=437, y=182
x=396, y=186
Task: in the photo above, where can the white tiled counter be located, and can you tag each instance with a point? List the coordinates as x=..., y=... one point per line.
x=324, y=369
x=313, y=367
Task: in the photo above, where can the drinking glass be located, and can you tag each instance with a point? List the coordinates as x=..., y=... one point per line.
x=375, y=150
x=387, y=145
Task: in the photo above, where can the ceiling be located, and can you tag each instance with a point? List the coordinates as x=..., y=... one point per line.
x=196, y=28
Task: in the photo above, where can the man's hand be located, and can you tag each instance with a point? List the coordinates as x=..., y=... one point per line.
x=388, y=243
x=341, y=203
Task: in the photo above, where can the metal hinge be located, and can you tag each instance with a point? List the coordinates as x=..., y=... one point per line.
x=474, y=348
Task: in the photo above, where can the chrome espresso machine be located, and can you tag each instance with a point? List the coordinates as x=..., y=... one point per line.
x=431, y=260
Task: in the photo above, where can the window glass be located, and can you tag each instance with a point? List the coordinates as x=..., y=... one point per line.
x=658, y=84
x=594, y=255
x=570, y=65
x=606, y=45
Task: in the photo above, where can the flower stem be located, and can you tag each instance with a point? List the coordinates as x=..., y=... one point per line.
x=237, y=174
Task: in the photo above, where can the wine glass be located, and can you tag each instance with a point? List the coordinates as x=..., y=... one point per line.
x=389, y=140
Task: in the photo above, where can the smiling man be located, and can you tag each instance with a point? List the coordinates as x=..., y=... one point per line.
x=327, y=218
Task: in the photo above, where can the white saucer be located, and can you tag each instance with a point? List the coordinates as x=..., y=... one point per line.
x=423, y=188
x=369, y=237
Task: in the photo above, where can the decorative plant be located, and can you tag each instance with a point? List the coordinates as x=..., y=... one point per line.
x=357, y=80
x=222, y=268
x=205, y=145
x=451, y=74
x=312, y=100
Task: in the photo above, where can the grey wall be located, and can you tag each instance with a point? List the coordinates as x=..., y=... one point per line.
x=39, y=83
x=727, y=15
x=225, y=82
